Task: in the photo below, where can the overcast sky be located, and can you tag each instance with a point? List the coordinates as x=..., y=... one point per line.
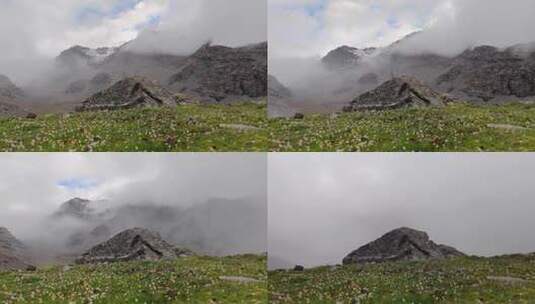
x=34, y=185
x=32, y=30
x=322, y=206
x=303, y=28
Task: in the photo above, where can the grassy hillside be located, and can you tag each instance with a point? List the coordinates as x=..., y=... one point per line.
x=245, y=127
x=186, y=280
x=463, y=280
x=458, y=127
x=240, y=127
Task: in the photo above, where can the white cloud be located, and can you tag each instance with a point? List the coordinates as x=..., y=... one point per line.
x=30, y=182
x=451, y=24
x=33, y=32
x=309, y=28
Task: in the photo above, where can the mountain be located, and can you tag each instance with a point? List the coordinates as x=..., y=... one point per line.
x=277, y=90
x=224, y=74
x=77, y=208
x=346, y=57
x=278, y=96
x=10, y=97
x=211, y=74
x=130, y=93
x=397, y=93
x=13, y=253
x=80, y=57
x=132, y=244
x=403, y=244
x=480, y=74
x=8, y=90
x=486, y=73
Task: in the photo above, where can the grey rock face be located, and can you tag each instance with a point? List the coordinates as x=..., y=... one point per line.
x=8, y=243
x=10, y=94
x=277, y=90
x=402, y=244
x=278, y=97
x=8, y=90
x=131, y=93
x=223, y=74
x=398, y=93
x=485, y=72
x=13, y=253
x=132, y=244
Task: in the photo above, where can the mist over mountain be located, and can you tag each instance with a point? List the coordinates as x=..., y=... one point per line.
x=473, y=54
x=151, y=39
x=324, y=206
x=213, y=204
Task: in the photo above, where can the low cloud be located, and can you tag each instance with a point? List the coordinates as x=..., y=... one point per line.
x=322, y=206
x=214, y=193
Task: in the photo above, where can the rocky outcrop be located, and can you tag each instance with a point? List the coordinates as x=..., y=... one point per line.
x=131, y=93
x=132, y=244
x=13, y=253
x=398, y=93
x=223, y=74
x=403, y=244
x=485, y=73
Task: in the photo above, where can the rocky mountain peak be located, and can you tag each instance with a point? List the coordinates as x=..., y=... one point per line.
x=220, y=73
x=76, y=207
x=132, y=244
x=485, y=73
x=79, y=56
x=345, y=57
x=403, y=244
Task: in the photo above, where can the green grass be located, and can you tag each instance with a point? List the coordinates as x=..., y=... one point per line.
x=202, y=128
x=186, y=280
x=457, y=127
x=184, y=128
x=461, y=280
